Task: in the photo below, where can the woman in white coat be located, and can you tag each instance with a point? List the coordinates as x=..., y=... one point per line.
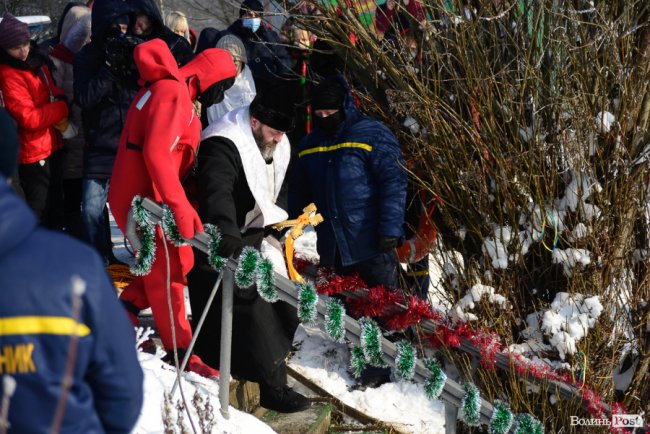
x=243, y=91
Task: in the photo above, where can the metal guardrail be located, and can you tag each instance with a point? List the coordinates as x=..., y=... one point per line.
x=452, y=392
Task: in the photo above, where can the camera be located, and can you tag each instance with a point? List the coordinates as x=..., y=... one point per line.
x=119, y=56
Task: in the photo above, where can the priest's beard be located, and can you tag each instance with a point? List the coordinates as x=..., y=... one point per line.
x=266, y=147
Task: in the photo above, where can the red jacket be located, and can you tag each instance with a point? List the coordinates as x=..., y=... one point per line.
x=162, y=130
x=27, y=98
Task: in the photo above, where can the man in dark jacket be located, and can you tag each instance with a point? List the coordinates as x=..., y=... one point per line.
x=267, y=58
x=105, y=83
x=38, y=270
x=352, y=168
x=243, y=160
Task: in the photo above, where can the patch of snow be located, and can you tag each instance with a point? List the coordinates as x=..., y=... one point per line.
x=402, y=404
x=473, y=296
x=570, y=258
x=604, y=122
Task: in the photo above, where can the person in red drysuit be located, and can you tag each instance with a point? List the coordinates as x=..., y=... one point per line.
x=157, y=148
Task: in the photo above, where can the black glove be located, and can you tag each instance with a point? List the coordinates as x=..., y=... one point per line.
x=229, y=246
x=387, y=244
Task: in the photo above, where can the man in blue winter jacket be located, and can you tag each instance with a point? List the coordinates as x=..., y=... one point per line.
x=37, y=321
x=352, y=168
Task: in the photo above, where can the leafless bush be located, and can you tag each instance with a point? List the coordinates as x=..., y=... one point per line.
x=533, y=118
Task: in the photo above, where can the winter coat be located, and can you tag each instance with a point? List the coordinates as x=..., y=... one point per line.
x=36, y=271
x=267, y=58
x=358, y=183
x=75, y=31
x=103, y=98
x=162, y=131
x=28, y=91
x=240, y=94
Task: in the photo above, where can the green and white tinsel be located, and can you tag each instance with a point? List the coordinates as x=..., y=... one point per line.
x=147, y=254
x=307, y=301
x=171, y=229
x=334, y=323
x=470, y=406
x=357, y=361
x=435, y=383
x=405, y=360
x=217, y=262
x=246, y=267
x=502, y=418
x=528, y=424
x=371, y=342
x=266, y=281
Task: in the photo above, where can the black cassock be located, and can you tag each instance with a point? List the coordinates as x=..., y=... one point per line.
x=262, y=331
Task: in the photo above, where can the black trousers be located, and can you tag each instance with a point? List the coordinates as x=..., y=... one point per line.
x=42, y=185
x=262, y=332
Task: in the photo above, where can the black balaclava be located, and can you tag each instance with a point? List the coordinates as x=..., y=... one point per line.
x=328, y=95
x=215, y=93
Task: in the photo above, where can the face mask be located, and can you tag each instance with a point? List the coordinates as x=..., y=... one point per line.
x=330, y=124
x=251, y=23
x=215, y=93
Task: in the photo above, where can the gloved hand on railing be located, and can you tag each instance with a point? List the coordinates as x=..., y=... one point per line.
x=387, y=244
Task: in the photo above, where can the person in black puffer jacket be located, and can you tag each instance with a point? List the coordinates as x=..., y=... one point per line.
x=105, y=83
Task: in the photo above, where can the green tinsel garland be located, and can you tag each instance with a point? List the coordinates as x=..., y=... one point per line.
x=371, y=342
x=245, y=272
x=405, y=361
x=266, y=281
x=171, y=230
x=434, y=384
x=527, y=424
x=502, y=418
x=470, y=406
x=147, y=253
x=357, y=361
x=217, y=262
x=334, y=324
x=307, y=301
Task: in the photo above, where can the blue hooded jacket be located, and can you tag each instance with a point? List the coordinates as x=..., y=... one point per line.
x=357, y=180
x=36, y=267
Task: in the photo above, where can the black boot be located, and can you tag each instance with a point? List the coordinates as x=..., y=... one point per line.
x=282, y=399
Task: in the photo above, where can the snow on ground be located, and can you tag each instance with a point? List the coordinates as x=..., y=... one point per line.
x=159, y=379
x=402, y=404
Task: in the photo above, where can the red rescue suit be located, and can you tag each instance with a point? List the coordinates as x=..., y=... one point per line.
x=157, y=148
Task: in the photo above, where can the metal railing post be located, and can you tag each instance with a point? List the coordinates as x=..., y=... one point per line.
x=226, y=340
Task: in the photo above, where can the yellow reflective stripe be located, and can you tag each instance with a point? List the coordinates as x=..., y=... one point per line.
x=41, y=325
x=363, y=146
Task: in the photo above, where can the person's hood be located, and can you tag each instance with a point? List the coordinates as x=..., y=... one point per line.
x=209, y=66
x=72, y=18
x=105, y=12
x=207, y=39
x=17, y=221
x=155, y=62
x=78, y=35
x=61, y=20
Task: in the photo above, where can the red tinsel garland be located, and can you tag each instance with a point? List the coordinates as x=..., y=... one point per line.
x=380, y=303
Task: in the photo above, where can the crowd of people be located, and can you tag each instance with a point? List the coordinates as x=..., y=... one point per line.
x=122, y=103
